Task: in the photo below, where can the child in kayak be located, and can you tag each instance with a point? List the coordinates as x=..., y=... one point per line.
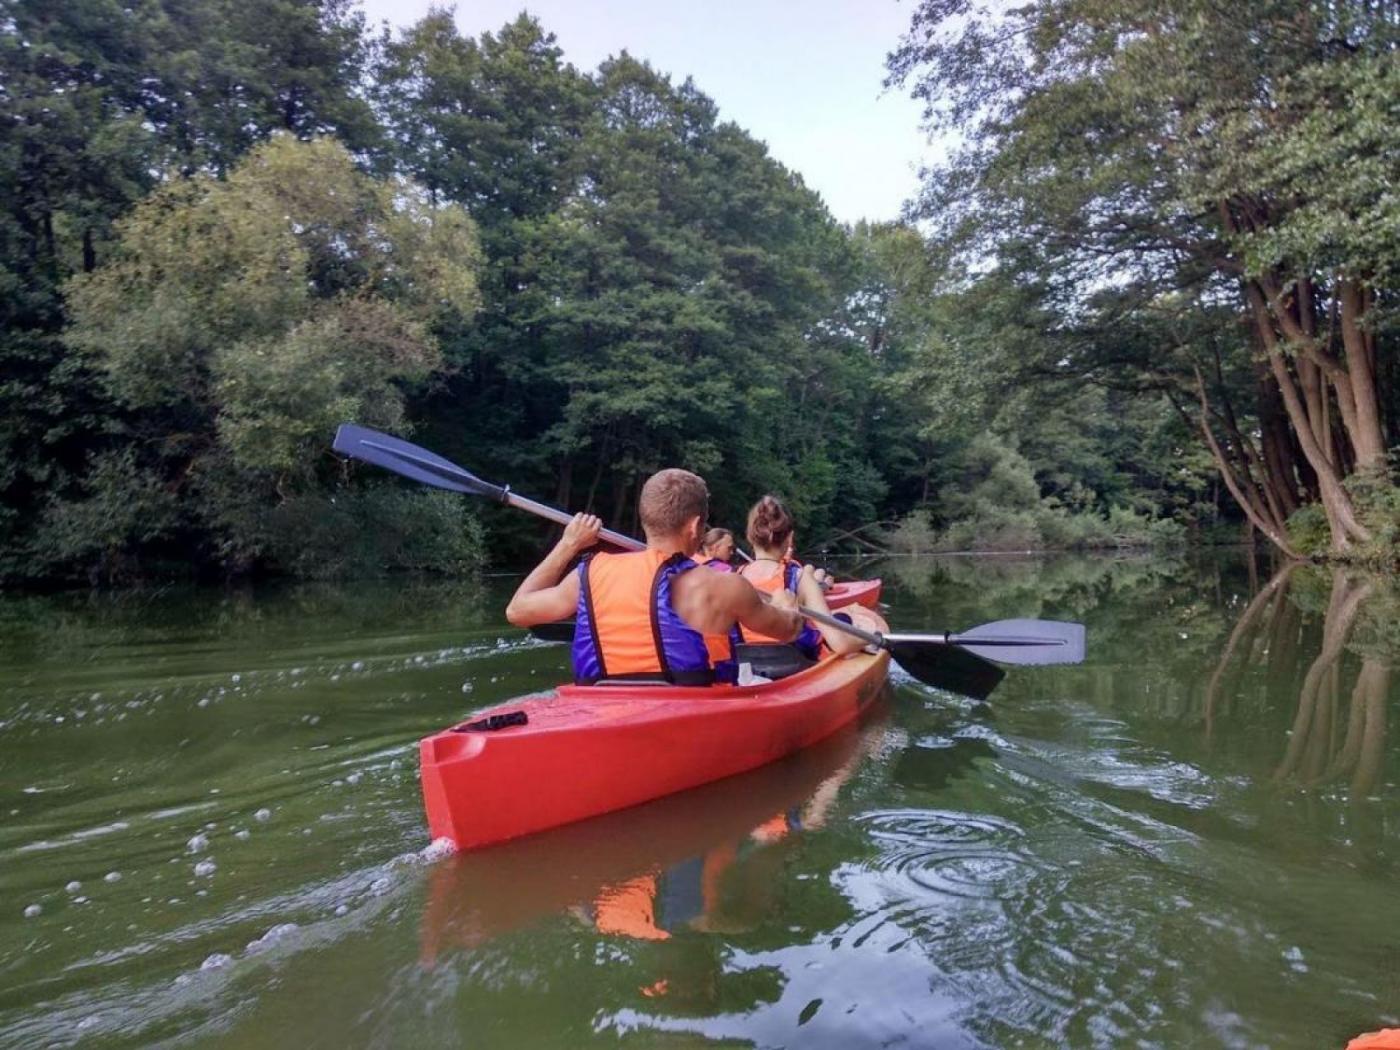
x=645, y=615
x=771, y=530
x=716, y=549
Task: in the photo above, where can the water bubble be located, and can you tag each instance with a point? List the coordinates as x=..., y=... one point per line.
x=74, y=886
x=33, y=910
x=112, y=876
x=438, y=848
x=353, y=778
x=272, y=936
x=466, y=687
x=235, y=679
x=358, y=665
x=217, y=961
x=342, y=909
x=242, y=834
x=263, y=815
x=206, y=867
x=197, y=843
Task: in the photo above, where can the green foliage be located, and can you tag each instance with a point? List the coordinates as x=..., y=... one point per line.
x=995, y=504
x=241, y=319
x=1124, y=166
x=373, y=532
x=100, y=100
x=123, y=510
x=568, y=279
x=1378, y=503
x=1308, y=532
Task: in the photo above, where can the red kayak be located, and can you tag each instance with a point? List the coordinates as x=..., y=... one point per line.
x=582, y=751
x=854, y=592
x=479, y=895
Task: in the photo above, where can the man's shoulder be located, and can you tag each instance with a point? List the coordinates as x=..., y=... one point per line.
x=723, y=586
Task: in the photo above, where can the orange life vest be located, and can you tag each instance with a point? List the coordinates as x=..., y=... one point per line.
x=626, y=626
x=809, y=641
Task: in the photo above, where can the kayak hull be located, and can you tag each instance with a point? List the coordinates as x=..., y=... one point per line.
x=589, y=750
x=854, y=592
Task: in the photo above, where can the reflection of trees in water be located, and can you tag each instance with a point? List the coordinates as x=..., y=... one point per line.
x=1069, y=584
x=53, y=626
x=1339, y=727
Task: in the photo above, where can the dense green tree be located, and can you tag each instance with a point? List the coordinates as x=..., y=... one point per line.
x=240, y=320
x=651, y=275
x=97, y=100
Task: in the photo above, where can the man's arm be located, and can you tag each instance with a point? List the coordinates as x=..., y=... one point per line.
x=541, y=596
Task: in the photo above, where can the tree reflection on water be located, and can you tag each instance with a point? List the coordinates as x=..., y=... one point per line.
x=1338, y=730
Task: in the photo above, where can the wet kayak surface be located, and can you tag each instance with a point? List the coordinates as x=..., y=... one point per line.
x=213, y=834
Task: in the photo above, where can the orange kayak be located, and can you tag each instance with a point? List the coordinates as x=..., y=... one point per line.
x=581, y=751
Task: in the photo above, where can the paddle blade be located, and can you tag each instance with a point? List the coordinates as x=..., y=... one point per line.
x=553, y=632
x=946, y=667
x=1031, y=643
x=403, y=457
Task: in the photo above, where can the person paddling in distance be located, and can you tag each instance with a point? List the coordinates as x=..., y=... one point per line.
x=645, y=615
x=716, y=549
x=774, y=571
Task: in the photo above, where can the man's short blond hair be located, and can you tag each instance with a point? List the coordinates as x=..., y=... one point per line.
x=670, y=498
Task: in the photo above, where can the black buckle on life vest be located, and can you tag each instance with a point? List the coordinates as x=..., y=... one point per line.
x=491, y=723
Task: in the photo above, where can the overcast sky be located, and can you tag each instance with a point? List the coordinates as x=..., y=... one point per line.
x=804, y=76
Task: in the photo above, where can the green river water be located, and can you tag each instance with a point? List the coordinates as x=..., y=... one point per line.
x=212, y=834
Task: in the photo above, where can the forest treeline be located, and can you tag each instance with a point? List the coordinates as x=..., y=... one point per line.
x=1154, y=288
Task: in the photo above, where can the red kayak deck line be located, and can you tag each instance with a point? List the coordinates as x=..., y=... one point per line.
x=588, y=750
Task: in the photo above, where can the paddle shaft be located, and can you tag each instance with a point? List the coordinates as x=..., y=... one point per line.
x=563, y=517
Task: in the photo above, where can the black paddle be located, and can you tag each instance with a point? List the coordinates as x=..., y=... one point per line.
x=957, y=662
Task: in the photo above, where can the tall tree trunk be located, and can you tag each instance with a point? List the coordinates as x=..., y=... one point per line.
x=1312, y=431
x=1367, y=438
x=1278, y=449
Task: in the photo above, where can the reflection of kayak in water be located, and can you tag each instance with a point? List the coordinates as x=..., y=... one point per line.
x=582, y=751
x=644, y=871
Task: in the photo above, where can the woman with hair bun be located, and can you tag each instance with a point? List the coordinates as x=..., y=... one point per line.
x=770, y=532
x=716, y=548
